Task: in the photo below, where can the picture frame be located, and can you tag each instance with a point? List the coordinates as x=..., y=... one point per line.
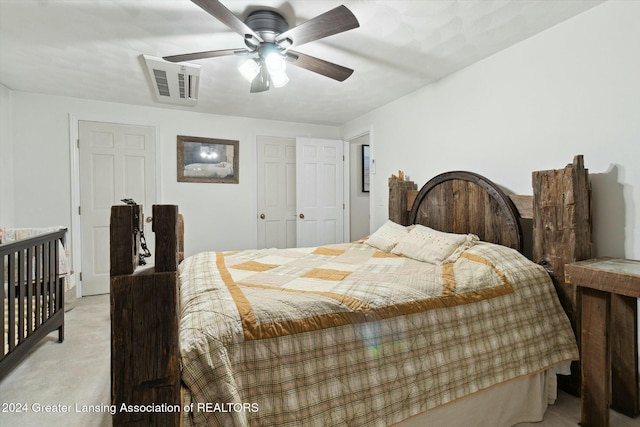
x=366, y=162
x=208, y=160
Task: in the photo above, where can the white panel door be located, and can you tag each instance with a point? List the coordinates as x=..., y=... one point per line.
x=116, y=162
x=276, y=172
x=319, y=195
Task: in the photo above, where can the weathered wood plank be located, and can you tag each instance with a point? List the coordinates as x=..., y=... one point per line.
x=180, y=238
x=621, y=278
x=124, y=245
x=595, y=392
x=562, y=235
x=166, y=228
x=145, y=356
x=412, y=193
x=476, y=209
x=464, y=202
x=524, y=205
x=459, y=204
x=619, y=281
x=491, y=227
x=399, y=199
x=436, y=202
x=624, y=355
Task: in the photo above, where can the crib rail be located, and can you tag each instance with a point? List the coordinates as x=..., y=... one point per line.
x=33, y=299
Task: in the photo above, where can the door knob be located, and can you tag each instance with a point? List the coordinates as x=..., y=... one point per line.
x=301, y=216
x=262, y=216
x=149, y=219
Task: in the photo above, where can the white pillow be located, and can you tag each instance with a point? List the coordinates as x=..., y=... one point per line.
x=433, y=246
x=387, y=236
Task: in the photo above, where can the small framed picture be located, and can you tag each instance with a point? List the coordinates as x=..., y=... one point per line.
x=366, y=162
x=207, y=160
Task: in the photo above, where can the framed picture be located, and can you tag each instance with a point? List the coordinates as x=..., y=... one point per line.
x=207, y=160
x=366, y=162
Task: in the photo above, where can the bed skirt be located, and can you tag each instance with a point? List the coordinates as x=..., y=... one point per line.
x=517, y=401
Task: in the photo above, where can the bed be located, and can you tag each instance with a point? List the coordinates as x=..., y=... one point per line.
x=33, y=293
x=215, y=170
x=363, y=333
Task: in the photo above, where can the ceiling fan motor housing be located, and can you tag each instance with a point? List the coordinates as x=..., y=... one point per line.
x=267, y=24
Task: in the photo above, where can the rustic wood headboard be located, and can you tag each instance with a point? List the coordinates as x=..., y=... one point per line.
x=559, y=210
x=465, y=202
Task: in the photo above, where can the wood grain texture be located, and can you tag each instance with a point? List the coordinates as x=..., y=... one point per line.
x=524, y=205
x=124, y=243
x=180, y=238
x=411, y=197
x=625, y=395
x=595, y=388
x=166, y=227
x=588, y=273
x=562, y=224
x=624, y=287
x=562, y=234
x=145, y=354
x=398, y=200
x=465, y=202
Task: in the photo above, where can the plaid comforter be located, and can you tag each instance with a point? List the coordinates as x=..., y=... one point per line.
x=349, y=335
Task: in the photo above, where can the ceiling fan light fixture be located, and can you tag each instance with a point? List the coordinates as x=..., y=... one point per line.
x=276, y=66
x=275, y=62
x=262, y=81
x=279, y=79
x=249, y=69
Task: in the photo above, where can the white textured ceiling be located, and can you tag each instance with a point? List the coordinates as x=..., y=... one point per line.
x=91, y=49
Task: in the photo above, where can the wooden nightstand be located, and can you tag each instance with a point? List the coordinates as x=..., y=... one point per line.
x=609, y=336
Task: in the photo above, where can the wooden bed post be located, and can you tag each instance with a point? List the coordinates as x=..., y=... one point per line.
x=401, y=196
x=124, y=244
x=561, y=235
x=167, y=231
x=144, y=303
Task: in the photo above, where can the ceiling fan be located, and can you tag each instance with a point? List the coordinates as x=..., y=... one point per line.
x=269, y=39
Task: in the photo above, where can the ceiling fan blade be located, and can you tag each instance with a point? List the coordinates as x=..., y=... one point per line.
x=224, y=15
x=261, y=82
x=329, y=23
x=203, y=55
x=320, y=66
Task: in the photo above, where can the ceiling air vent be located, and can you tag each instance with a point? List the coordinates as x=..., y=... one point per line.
x=173, y=83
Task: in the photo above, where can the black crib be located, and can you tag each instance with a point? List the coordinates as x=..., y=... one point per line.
x=33, y=300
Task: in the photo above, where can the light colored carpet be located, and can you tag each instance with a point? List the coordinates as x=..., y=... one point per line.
x=75, y=372
x=75, y=376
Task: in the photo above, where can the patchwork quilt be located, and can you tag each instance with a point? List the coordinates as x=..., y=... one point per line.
x=349, y=335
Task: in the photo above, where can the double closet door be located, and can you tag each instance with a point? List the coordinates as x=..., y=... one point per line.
x=300, y=192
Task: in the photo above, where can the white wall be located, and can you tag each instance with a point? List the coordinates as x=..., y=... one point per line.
x=217, y=216
x=359, y=202
x=573, y=89
x=6, y=157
